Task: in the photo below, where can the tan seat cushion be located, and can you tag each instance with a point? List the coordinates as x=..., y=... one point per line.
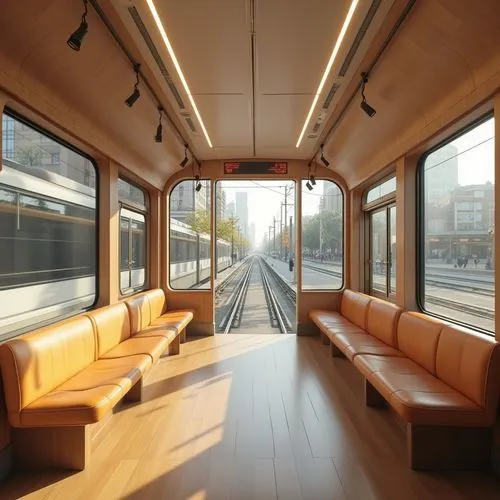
x=151, y=346
x=354, y=307
x=383, y=320
x=158, y=331
x=88, y=396
x=332, y=323
x=352, y=344
x=416, y=395
x=177, y=320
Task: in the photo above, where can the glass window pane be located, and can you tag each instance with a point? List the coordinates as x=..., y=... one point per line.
x=131, y=195
x=381, y=190
x=190, y=245
x=322, y=236
x=459, y=228
x=47, y=229
x=378, y=245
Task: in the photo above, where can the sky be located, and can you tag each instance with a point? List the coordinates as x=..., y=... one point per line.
x=476, y=155
x=265, y=198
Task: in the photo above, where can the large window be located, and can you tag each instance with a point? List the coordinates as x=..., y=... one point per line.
x=322, y=236
x=190, y=242
x=47, y=229
x=457, y=242
x=133, y=241
x=381, y=218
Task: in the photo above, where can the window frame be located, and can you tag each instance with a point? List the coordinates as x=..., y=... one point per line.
x=420, y=225
x=139, y=210
x=343, y=283
x=188, y=241
x=385, y=203
x=28, y=123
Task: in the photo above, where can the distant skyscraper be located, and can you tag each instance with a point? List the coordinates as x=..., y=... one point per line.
x=231, y=209
x=242, y=212
x=252, y=235
x=332, y=197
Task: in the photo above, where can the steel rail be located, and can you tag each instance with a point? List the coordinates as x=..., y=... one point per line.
x=237, y=299
x=280, y=316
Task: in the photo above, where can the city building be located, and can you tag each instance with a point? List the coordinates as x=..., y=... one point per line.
x=242, y=212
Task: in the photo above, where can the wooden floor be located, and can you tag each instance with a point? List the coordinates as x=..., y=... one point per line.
x=252, y=416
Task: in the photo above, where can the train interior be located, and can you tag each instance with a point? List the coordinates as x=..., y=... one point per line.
x=248, y=249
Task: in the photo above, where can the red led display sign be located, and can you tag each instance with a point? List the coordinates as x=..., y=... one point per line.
x=256, y=167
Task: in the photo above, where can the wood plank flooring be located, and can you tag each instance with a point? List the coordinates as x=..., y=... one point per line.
x=252, y=417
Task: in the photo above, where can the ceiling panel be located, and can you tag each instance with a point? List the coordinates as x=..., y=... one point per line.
x=228, y=119
x=211, y=41
x=294, y=41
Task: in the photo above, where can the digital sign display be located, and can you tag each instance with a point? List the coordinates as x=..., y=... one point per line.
x=255, y=167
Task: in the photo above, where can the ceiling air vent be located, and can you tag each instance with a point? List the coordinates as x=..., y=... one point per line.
x=359, y=36
x=330, y=95
x=191, y=125
x=154, y=52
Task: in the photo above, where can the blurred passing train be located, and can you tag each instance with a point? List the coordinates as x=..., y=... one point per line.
x=56, y=275
x=190, y=256
x=47, y=246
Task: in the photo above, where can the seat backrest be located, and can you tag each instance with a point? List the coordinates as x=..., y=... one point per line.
x=382, y=321
x=139, y=312
x=418, y=336
x=111, y=326
x=156, y=299
x=470, y=363
x=354, y=306
x=40, y=361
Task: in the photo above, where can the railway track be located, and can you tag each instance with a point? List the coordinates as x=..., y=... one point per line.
x=469, y=283
x=271, y=283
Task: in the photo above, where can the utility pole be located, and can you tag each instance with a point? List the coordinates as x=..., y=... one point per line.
x=269, y=241
x=274, y=232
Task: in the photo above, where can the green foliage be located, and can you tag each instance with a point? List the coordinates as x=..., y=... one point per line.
x=329, y=224
x=29, y=156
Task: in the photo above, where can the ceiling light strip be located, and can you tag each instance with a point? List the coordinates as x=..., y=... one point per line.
x=335, y=51
x=164, y=36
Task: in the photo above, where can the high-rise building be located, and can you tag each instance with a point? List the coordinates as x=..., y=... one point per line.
x=242, y=212
x=184, y=199
x=220, y=202
x=231, y=209
x=332, y=197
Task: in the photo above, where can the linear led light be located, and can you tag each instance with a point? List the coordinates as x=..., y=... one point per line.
x=335, y=51
x=163, y=33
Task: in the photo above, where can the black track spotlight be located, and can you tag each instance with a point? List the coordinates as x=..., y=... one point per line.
x=323, y=159
x=159, y=129
x=198, y=184
x=309, y=186
x=183, y=163
x=76, y=38
x=136, y=93
x=364, y=105
x=312, y=180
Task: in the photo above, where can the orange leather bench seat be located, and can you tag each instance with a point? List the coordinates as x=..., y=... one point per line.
x=450, y=376
x=364, y=325
x=75, y=372
x=430, y=372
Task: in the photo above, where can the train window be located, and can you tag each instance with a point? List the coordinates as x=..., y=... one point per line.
x=457, y=228
x=47, y=228
x=381, y=248
x=190, y=247
x=133, y=238
x=322, y=236
x=381, y=192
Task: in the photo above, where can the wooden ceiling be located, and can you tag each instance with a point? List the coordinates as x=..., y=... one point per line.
x=253, y=68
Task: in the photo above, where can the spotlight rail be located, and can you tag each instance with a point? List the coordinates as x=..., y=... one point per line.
x=119, y=42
